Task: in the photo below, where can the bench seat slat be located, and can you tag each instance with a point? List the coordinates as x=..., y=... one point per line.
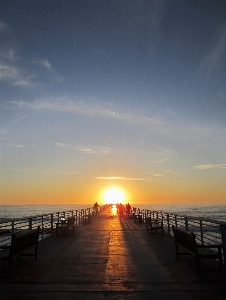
x=155, y=226
x=65, y=227
x=4, y=254
x=187, y=240
x=19, y=243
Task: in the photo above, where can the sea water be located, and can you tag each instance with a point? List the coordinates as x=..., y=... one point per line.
x=213, y=212
x=21, y=211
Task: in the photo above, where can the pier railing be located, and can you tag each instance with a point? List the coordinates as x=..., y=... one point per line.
x=207, y=231
x=47, y=223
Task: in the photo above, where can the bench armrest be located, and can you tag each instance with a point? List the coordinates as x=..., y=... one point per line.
x=209, y=246
x=5, y=247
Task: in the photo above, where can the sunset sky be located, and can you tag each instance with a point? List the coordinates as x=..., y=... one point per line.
x=113, y=94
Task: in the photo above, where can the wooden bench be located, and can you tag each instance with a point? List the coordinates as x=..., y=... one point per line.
x=138, y=217
x=155, y=226
x=64, y=226
x=20, y=243
x=87, y=218
x=187, y=241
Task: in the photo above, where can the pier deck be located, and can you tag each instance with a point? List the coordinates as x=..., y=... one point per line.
x=110, y=258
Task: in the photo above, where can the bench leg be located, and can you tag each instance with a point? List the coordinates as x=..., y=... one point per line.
x=36, y=252
x=10, y=264
x=177, y=255
x=197, y=264
x=221, y=267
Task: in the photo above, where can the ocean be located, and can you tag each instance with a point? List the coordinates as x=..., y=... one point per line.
x=21, y=211
x=213, y=212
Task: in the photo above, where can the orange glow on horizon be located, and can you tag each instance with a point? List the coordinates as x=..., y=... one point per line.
x=29, y=191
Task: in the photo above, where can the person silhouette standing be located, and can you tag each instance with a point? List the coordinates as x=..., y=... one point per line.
x=96, y=208
x=120, y=210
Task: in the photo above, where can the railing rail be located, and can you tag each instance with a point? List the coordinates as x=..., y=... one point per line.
x=207, y=231
x=47, y=223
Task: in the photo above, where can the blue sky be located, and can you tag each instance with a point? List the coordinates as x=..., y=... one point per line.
x=95, y=94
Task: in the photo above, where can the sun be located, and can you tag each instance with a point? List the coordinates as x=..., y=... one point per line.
x=113, y=196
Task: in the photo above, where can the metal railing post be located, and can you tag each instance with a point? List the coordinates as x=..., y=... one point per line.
x=223, y=239
x=168, y=223
x=13, y=224
x=51, y=224
x=186, y=223
x=42, y=227
x=30, y=223
x=201, y=231
x=76, y=216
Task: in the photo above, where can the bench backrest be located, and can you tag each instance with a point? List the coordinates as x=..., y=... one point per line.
x=23, y=241
x=185, y=239
x=71, y=221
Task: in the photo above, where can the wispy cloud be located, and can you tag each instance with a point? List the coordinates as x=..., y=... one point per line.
x=210, y=166
x=122, y=178
x=212, y=61
x=165, y=173
x=16, y=146
x=160, y=161
x=19, y=71
x=44, y=63
x=12, y=69
x=67, y=172
x=2, y=26
x=78, y=106
x=92, y=108
x=44, y=171
x=86, y=150
x=61, y=145
x=158, y=174
x=15, y=75
x=9, y=54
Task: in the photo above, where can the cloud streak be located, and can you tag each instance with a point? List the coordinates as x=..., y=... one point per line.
x=122, y=178
x=2, y=26
x=17, y=146
x=44, y=171
x=210, y=166
x=44, y=63
x=15, y=76
x=212, y=62
x=86, y=150
x=92, y=108
x=79, y=107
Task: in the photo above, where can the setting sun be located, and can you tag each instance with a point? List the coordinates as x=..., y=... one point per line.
x=113, y=196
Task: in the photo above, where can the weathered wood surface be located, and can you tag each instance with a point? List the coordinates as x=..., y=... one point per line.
x=109, y=258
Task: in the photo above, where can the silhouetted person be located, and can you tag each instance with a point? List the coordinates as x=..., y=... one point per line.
x=96, y=208
x=128, y=209
x=120, y=210
x=117, y=207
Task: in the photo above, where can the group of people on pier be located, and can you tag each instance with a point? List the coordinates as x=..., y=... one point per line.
x=121, y=209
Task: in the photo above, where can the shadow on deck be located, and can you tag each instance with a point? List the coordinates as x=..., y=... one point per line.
x=109, y=258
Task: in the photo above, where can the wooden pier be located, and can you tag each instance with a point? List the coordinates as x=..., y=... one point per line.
x=109, y=258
